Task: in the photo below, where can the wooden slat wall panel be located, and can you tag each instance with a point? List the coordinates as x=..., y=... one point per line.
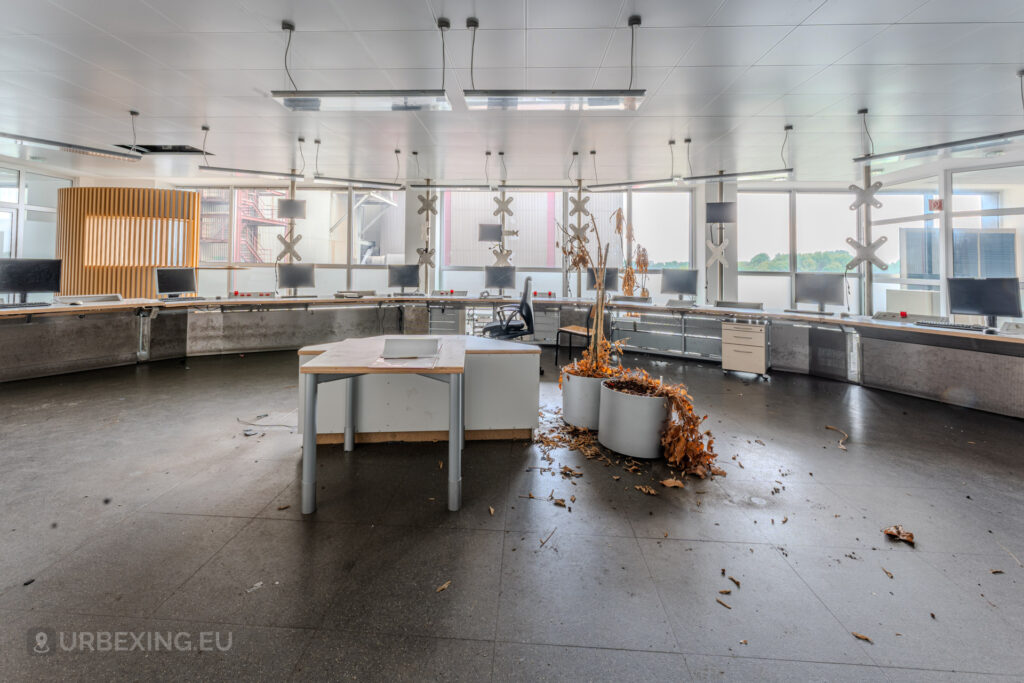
x=112, y=238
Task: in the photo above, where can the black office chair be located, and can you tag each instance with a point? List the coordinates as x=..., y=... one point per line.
x=514, y=321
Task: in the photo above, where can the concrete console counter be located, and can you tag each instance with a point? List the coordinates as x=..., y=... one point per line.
x=954, y=366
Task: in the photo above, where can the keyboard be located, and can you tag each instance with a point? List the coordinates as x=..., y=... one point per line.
x=29, y=304
x=950, y=326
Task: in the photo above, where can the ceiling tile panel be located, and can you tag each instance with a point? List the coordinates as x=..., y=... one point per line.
x=725, y=46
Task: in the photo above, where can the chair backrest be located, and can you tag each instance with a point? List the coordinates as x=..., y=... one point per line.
x=526, y=305
x=590, y=318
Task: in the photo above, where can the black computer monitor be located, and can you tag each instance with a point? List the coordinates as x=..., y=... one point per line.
x=403, y=276
x=611, y=279
x=294, y=275
x=499, y=277
x=490, y=232
x=679, y=281
x=819, y=288
x=989, y=297
x=27, y=275
x=721, y=212
x=174, y=281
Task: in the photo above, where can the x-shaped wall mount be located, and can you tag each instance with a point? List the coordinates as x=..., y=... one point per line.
x=428, y=203
x=503, y=206
x=867, y=253
x=580, y=232
x=718, y=253
x=502, y=256
x=289, y=247
x=866, y=196
x=579, y=206
x=426, y=257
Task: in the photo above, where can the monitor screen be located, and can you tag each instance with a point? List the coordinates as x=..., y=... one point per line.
x=611, y=279
x=175, y=280
x=500, y=277
x=26, y=275
x=403, y=276
x=292, y=275
x=819, y=288
x=679, y=281
x=721, y=212
x=490, y=232
x=988, y=296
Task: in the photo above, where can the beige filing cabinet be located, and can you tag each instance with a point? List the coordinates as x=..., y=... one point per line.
x=744, y=348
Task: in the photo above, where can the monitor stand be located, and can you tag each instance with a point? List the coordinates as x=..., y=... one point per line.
x=990, y=321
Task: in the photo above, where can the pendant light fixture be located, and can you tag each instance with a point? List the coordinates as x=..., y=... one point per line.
x=357, y=182
x=628, y=99
x=363, y=100
x=241, y=171
x=69, y=147
x=670, y=181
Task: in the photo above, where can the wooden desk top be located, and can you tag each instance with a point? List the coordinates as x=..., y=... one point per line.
x=474, y=345
x=362, y=356
x=65, y=309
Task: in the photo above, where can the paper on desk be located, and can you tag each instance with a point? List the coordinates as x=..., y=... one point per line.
x=424, y=363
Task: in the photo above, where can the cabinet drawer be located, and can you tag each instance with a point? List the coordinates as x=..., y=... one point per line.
x=748, y=335
x=743, y=358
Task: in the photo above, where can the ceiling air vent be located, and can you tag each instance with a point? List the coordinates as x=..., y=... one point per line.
x=164, y=149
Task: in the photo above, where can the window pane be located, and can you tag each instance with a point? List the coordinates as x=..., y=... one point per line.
x=379, y=227
x=773, y=292
x=8, y=185
x=6, y=232
x=534, y=216
x=258, y=226
x=40, y=236
x=762, y=231
x=823, y=222
x=215, y=225
x=661, y=225
x=602, y=206
x=41, y=190
x=988, y=246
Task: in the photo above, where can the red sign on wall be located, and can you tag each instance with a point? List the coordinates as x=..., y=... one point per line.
x=935, y=205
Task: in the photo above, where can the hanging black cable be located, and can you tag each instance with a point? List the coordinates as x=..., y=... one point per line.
x=290, y=27
x=782, y=152
x=316, y=163
x=504, y=170
x=864, y=118
x=443, y=25
x=1020, y=77
x=206, y=132
x=487, y=170
x=416, y=157
x=672, y=154
x=133, y=114
x=634, y=21
x=472, y=23
x=302, y=156
x=568, y=173
x=398, y=164
x=689, y=166
x=593, y=157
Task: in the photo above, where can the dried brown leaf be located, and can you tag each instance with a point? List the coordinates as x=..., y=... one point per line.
x=672, y=483
x=560, y=502
x=842, y=441
x=995, y=571
x=443, y=586
x=735, y=581
x=861, y=636
x=898, y=532
x=726, y=591
x=719, y=601
x=491, y=510
x=643, y=488
x=887, y=572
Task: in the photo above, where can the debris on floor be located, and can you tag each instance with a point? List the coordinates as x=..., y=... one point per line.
x=842, y=441
x=255, y=587
x=735, y=581
x=549, y=536
x=861, y=636
x=491, y=509
x=643, y=488
x=719, y=601
x=282, y=507
x=249, y=431
x=995, y=571
x=896, y=531
x=887, y=572
x=443, y=586
x=672, y=483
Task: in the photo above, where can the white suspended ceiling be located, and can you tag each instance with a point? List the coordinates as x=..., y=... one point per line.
x=728, y=73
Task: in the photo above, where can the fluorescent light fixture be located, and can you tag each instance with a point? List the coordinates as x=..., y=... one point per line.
x=70, y=147
x=779, y=173
x=633, y=185
x=454, y=186
x=355, y=182
x=536, y=188
x=247, y=171
x=955, y=146
x=554, y=100
x=363, y=100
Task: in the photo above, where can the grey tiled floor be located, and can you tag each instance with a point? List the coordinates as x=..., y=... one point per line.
x=131, y=501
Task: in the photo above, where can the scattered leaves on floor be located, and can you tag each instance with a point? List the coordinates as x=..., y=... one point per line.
x=897, y=532
x=672, y=483
x=725, y=591
x=616, y=477
x=861, y=636
x=440, y=464
x=572, y=499
x=549, y=536
x=785, y=519
x=719, y=601
x=842, y=441
x=283, y=507
x=491, y=509
x=644, y=488
x=560, y=502
x=887, y=572
x=569, y=472
x=995, y=571
x=735, y=581
x=443, y=586
x=758, y=441
x=743, y=642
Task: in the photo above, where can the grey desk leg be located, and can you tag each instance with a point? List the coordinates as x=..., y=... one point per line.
x=462, y=411
x=350, y=413
x=454, y=439
x=309, y=447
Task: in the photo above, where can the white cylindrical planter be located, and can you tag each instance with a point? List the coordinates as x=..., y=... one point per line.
x=581, y=398
x=632, y=425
